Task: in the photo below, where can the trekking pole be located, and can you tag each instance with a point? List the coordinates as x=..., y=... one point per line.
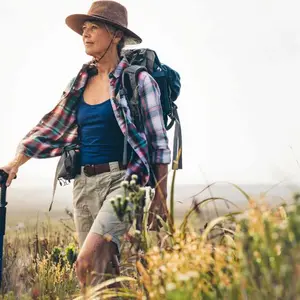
x=3, y=203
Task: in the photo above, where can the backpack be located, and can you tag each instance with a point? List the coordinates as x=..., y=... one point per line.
x=169, y=84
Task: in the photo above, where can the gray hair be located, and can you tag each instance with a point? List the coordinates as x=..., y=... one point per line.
x=113, y=30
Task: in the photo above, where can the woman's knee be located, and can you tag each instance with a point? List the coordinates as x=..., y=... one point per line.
x=83, y=267
x=95, y=248
x=95, y=245
x=83, y=263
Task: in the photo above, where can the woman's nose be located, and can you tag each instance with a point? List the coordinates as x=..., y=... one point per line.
x=86, y=33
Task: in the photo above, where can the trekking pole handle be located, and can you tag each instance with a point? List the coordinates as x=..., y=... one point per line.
x=3, y=177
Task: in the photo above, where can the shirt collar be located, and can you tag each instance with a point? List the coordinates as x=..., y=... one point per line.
x=83, y=75
x=119, y=69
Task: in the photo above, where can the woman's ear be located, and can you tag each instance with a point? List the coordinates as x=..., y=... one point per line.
x=118, y=36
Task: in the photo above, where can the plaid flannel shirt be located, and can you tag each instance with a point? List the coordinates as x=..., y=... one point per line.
x=58, y=128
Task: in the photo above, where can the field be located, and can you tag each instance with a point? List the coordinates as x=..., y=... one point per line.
x=212, y=250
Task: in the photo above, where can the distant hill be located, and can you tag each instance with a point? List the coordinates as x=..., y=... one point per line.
x=28, y=202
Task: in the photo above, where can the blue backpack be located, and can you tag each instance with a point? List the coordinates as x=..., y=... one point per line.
x=169, y=83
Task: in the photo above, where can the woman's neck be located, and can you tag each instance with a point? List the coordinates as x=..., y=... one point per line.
x=107, y=64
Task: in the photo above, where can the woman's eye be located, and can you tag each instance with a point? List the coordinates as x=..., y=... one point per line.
x=92, y=27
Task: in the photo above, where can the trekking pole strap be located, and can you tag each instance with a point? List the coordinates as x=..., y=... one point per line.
x=177, y=145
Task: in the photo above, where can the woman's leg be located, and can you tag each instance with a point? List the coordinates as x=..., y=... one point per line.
x=88, y=197
x=95, y=256
x=83, y=217
x=102, y=243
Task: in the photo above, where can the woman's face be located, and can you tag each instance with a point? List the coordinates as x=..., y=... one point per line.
x=96, y=38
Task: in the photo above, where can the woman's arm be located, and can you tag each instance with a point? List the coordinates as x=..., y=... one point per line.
x=47, y=138
x=12, y=167
x=155, y=130
x=160, y=154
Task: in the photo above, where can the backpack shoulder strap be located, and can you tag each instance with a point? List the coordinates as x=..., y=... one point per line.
x=132, y=72
x=130, y=88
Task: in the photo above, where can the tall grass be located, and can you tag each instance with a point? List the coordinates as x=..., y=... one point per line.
x=38, y=262
x=249, y=255
x=259, y=260
x=254, y=256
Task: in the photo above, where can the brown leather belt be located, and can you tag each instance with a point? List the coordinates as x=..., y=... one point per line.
x=92, y=170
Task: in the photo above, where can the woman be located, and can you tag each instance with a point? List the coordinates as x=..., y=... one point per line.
x=91, y=111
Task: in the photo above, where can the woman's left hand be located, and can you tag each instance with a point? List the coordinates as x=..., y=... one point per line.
x=158, y=207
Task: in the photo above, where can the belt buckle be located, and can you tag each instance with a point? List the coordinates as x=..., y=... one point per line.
x=87, y=173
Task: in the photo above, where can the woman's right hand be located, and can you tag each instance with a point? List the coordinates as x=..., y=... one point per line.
x=12, y=171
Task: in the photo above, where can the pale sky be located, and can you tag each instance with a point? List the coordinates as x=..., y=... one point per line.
x=240, y=67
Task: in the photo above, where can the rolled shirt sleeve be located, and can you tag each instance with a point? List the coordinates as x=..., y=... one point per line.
x=54, y=131
x=153, y=119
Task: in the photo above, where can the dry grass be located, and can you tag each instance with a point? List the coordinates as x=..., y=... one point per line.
x=254, y=256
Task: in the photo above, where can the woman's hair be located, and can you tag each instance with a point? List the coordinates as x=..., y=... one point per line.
x=113, y=31
x=120, y=46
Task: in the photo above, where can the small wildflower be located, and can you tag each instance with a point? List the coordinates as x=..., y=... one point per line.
x=170, y=286
x=118, y=197
x=192, y=274
x=134, y=177
x=125, y=184
x=275, y=236
x=20, y=226
x=176, y=247
x=183, y=277
x=278, y=249
x=155, y=249
x=163, y=268
x=35, y=293
x=132, y=183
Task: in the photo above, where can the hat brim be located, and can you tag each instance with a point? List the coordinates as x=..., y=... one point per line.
x=76, y=21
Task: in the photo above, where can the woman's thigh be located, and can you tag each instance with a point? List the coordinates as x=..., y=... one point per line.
x=107, y=223
x=89, y=194
x=93, y=210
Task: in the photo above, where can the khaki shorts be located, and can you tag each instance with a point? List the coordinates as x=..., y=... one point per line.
x=93, y=211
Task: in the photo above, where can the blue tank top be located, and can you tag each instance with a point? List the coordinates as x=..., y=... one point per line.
x=100, y=135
